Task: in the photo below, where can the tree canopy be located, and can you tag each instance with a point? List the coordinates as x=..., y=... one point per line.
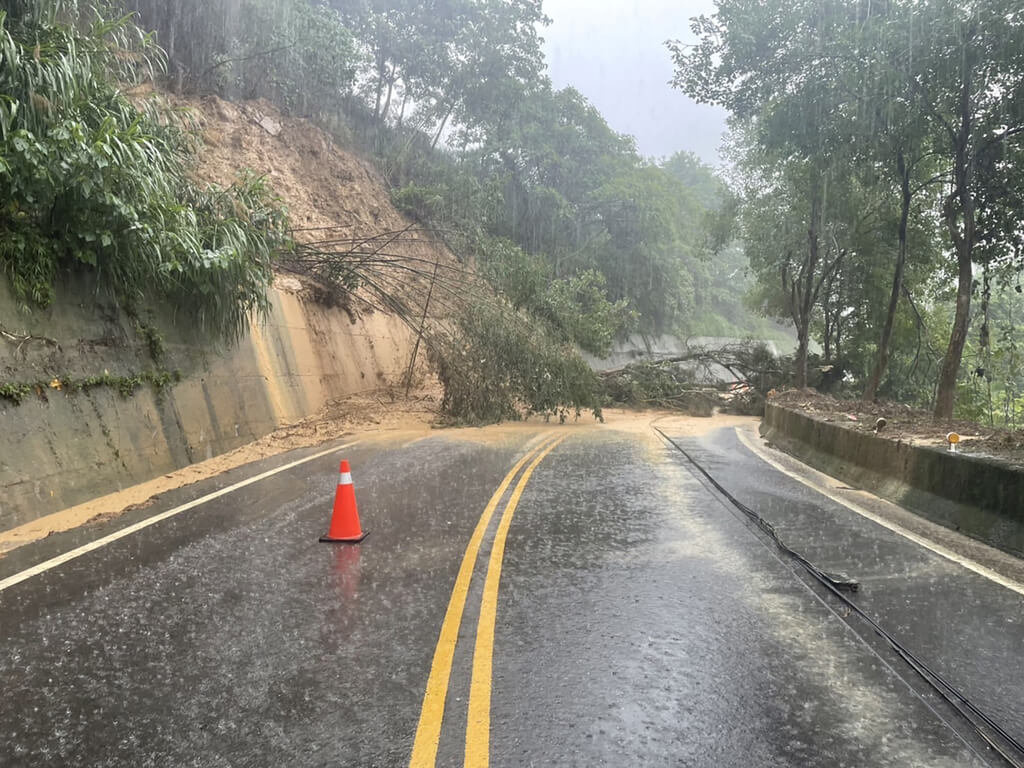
x=570, y=225
x=878, y=144
x=92, y=181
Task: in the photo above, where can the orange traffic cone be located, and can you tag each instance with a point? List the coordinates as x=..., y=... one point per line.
x=345, y=520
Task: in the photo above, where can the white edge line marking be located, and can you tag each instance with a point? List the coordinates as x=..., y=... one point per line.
x=54, y=562
x=938, y=549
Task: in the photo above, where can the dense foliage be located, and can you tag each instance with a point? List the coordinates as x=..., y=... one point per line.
x=578, y=235
x=454, y=102
x=296, y=53
x=93, y=181
x=879, y=159
x=501, y=366
x=567, y=189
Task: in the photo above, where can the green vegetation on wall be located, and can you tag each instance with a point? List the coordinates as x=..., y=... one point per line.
x=92, y=180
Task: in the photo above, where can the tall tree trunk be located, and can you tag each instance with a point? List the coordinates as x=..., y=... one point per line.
x=960, y=221
x=387, y=102
x=828, y=336
x=802, y=334
x=882, y=361
x=945, y=398
x=984, y=342
x=440, y=128
x=832, y=306
x=401, y=111
x=805, y=295
x=381, y=71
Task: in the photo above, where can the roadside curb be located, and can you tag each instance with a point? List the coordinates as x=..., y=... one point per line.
x=978, y=497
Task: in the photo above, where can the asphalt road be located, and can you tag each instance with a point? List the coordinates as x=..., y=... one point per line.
x=520, y=601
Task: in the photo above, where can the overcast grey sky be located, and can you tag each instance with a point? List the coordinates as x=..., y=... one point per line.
x=612, y=52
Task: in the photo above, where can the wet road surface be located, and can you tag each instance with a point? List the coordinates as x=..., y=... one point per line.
x=970, y=630
x=617, y=613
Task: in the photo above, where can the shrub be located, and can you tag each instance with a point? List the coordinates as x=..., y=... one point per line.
x=497, y=365
x=90, y=181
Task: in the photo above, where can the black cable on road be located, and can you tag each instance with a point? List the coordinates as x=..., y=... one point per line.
x=1004, y=744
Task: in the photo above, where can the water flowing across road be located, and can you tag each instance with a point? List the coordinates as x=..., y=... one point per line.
x=610, y=608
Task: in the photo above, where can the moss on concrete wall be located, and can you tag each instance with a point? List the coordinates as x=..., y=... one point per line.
x=60, y=447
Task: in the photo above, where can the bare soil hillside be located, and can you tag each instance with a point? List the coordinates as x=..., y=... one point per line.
x=322, y=184
x=333, y=196
x=335, y=200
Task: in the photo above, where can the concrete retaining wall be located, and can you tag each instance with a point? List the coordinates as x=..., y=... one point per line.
x=979, y=497
x=57, y=450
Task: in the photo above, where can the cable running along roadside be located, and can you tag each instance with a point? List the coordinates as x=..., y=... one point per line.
x=1005, y=745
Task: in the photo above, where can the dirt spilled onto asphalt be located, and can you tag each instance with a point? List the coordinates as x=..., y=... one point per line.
x=386, y=414
x=382, y=412
x=673, y=422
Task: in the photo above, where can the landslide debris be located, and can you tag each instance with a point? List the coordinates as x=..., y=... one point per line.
x=331, y=194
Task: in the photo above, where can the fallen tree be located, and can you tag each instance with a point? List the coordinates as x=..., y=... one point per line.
x=495, y=361
x=734, y=377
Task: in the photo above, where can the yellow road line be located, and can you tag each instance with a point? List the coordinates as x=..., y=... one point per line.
x=428, y=731
x=478, y=723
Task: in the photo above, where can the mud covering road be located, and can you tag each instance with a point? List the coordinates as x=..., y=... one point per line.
x=637, y=620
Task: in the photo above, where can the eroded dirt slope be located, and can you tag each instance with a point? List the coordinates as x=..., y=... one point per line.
x=322, y=184
x=330, y=193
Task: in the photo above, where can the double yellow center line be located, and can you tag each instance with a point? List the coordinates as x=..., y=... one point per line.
x=478, y=724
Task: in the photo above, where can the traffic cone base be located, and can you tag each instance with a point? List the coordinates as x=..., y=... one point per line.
x=345, y=527
x=349, y=540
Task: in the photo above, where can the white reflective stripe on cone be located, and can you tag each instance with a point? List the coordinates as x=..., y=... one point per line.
x=346, y=478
